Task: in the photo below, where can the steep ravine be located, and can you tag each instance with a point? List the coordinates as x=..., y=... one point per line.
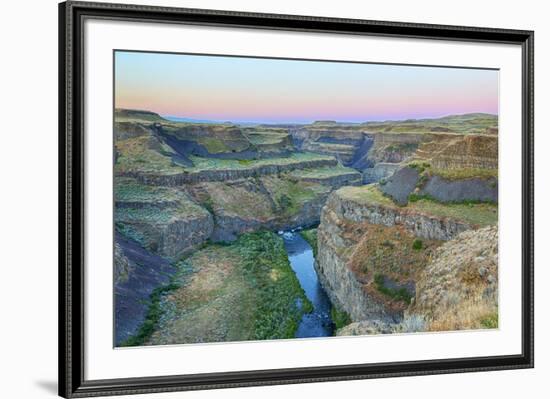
x=317, y=323
x=372, y=255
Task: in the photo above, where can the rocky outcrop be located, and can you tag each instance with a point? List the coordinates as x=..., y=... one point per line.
x=475, y=189
x=458, y=151
x=137, y=273
x=404, y=269
x=421, y=224
x=270, y=203
x=409, y=180
x=127, y=129
x=180, y=179
x=163, y=220
x=380, y=171
x=229, y=226
x=458, y=289
x=401, y=184
x=346, y=227
x=123, y=268
x=409, y=324
x=351, y=178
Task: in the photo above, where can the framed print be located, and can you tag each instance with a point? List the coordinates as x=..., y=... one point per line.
x=253, y=199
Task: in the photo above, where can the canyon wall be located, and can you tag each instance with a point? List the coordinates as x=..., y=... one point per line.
x=371, y=252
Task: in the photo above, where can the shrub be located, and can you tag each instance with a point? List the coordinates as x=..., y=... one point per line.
x=417, y=244
x=340, y=318
x=400, y=294
x=285, y=202
x=419, y=166
x=277, y=314
x=490, y=321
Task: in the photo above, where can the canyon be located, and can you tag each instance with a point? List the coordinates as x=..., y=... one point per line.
x=196, y=203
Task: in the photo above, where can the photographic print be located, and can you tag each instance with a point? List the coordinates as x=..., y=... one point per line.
x=264, y=198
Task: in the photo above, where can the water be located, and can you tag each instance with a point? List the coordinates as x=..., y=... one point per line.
x=317, y=323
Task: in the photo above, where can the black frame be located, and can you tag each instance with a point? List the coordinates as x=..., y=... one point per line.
x=71, y=199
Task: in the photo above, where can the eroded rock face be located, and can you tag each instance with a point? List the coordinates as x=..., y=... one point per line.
x=420, y=224
x=401, y=184
x=381, y=170
x=368, y=327
x=163, y=220
x=270, y=203
x=345, y=225
x=181, y=179
x=137, y=273
x=476, y=189
x=472, y=151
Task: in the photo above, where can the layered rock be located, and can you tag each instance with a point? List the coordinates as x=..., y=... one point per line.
x=270, y=202
x=371, y=251
x=137, y=273
x=228, y=173
x=163, y=220
x=456, y=185
x=380, y=171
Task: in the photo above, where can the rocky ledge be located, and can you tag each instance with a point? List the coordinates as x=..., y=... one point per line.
x=373, y=255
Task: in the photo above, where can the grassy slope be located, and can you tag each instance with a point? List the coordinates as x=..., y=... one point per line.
x=461, y=124
x=234, y=164
x=149, y=209
x=243, y=291
x=476, y=214
x=319, y=173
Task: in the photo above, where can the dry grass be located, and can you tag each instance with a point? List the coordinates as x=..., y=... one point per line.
x=458, y=289
x=466, y=315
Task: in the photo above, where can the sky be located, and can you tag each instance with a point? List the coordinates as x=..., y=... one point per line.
x=240, y=89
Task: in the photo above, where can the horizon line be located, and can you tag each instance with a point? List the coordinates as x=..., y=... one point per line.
x=311, y=121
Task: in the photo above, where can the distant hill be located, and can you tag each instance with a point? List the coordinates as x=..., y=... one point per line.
x=191, y=120
x=137, y=114
x=474, y=123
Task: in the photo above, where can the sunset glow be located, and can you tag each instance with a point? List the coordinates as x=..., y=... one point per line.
x=240, y=89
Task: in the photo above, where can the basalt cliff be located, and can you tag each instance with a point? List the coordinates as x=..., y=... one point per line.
x=427, y=265
x=181, y=187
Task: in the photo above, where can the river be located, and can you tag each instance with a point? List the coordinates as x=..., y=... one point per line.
x=317, y=323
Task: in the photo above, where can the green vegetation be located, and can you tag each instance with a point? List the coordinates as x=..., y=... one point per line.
x=291, y=195
x=465, y=173
x=417, y=244
x=479, y=214
x=323, y=172
x=153, y=317
x=426, y=170
x=340, y=318
x=132, y=115
x=240, y=291
x=214, y=145
x=400, y=294
x=369, y=194
x=144, y=154
x=277, y=314
x=414, y=197
x=310, y=236
x=402, y=147
x=130, y=190
x=490, y=321
x=420, y=166
x=476, y=123
x=234, y=164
